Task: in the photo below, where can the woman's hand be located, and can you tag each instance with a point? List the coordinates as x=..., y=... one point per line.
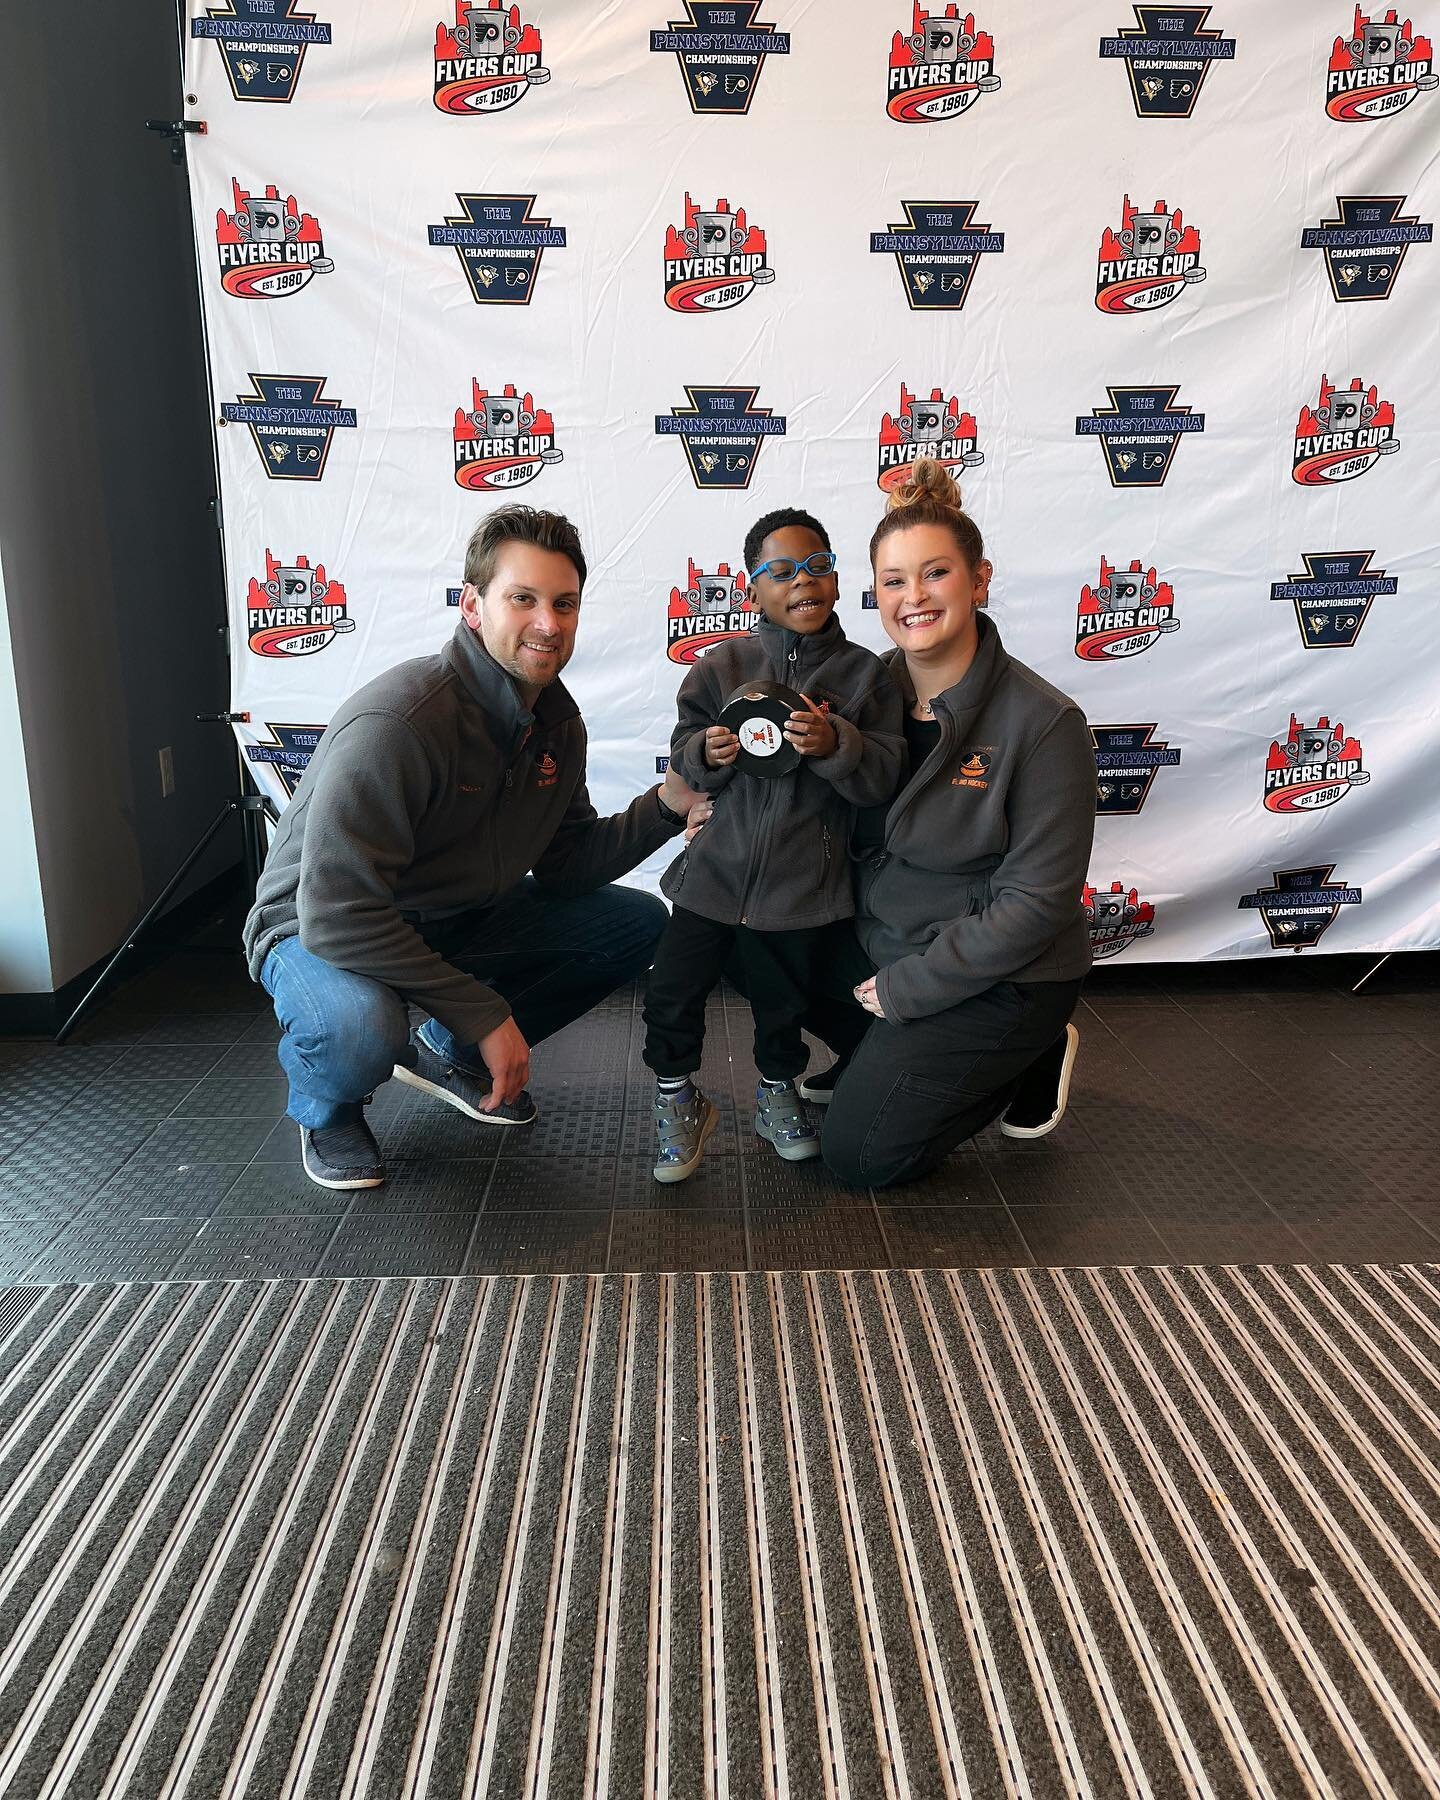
x=721, y=746
x=869, y=999
x=811, y=733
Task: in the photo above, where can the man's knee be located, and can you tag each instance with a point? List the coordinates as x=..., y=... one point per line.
x=633, y=924
x=356, y=1030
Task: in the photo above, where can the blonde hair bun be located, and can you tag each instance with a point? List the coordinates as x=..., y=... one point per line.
x=925, y=479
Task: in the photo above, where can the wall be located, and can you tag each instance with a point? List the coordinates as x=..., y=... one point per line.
x=110, y=558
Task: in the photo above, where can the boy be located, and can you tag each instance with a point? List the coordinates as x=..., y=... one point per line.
x=771, y=867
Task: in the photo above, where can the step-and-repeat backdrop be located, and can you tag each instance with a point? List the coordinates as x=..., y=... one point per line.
x=1157, y=282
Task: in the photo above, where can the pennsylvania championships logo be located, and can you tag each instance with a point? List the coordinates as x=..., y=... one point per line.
x=262, y=44
x=706, y=611
x=1312, y=767
x=291, y=425
x=295, y=610
x=1345, y=433
x=288, y=753
x=1125, y=612
x=1333, y=597
x=722, y=430
x=1378, y=70
x=1127, y=759
x=935, y=427
x=499, y=242
x=1116, y=919
x=1153, y=257
x=1138, y=433
x=503, y=442
x=1167, y=53
x=1301, y=906
x=721, y=49
x=486, y=60
x=937, y=251
x=268, y=248
x=714, y=260
x=1365, y=244
x=940, y=69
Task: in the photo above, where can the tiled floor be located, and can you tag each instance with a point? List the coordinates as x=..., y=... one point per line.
x=1249, y=1113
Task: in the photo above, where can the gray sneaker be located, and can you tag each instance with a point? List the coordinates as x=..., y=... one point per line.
x=459, y=1087
x=682, y=1126
x=342, y=1156
x=780, y=1118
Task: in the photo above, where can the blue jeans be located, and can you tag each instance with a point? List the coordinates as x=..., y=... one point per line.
x=552, y=959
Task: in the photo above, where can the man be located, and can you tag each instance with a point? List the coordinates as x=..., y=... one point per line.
x=442, y=852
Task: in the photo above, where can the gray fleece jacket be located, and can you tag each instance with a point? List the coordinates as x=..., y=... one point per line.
x=984, y=852
x=432, y=791
x=773, y=855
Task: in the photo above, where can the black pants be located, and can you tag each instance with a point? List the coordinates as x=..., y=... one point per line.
x=774, y=969
x=910, y=1093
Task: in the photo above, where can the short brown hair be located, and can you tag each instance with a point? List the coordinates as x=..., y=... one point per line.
x=928, y=496
x=519, y=525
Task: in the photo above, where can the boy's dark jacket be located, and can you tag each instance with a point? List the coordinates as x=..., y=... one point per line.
x=433, y=791
x=985, y=849
x=773, y=856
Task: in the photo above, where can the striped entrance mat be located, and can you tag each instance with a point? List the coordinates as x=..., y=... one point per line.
x=1153, y=1531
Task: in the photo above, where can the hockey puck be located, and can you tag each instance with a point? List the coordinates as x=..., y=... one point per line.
x=758, y=714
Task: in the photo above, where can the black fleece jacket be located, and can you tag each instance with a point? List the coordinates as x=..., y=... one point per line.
x=985, y=849
x=432, y=791
x=773, y=856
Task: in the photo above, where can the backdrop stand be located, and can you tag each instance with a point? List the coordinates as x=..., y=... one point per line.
x=1372, y=971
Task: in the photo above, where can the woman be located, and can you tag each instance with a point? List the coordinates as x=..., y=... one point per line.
x=969, y=942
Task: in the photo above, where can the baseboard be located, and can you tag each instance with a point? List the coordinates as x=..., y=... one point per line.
x=42, y=1015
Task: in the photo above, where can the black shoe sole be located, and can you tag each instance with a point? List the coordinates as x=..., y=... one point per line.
x=1067, y=1066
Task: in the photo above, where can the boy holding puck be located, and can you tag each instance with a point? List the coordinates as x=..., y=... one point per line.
x=789, y=728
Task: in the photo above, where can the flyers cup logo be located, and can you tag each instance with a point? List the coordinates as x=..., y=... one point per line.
x=1365, y=245
x=1126, y=612
x=1344, y=434
x=499, y=243
x=268, y=248
x=1138, y=433
x=1115, y=919
x=262, y=45
x=1301, y=906
x=1167, y=53
x=1333, y=597
x=290, y=424
x=295, y=610
x=1152, y=257
x=1312, y=767
x=722, y=430
x=1127, y=759
x=935, y=427
x=714, y=260
x=940, y=68
x=937, y=251
x=503, y=442
x=486, y=59
x=288, y=753
x=1378, y=70
x=721, y=49
x=706, y=611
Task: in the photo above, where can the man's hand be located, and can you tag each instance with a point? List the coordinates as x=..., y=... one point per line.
x=721, y=746
x=676, y=795
x=810, y=732
x=507, y=1057
x=869, y=999
x=698, y=815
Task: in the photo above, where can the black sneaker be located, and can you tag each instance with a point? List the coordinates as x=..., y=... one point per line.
x=461, y=1088
x=819, y=1088
x=1039, y=1103
x=342, y=1156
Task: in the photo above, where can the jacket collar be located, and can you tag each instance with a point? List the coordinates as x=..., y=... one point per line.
x=497, y=694
x=813, y=646
x=975, y=686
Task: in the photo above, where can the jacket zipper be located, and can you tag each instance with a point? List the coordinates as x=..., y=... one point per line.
x=759, y=838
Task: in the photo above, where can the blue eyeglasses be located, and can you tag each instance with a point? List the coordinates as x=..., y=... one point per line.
x=785, y=568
